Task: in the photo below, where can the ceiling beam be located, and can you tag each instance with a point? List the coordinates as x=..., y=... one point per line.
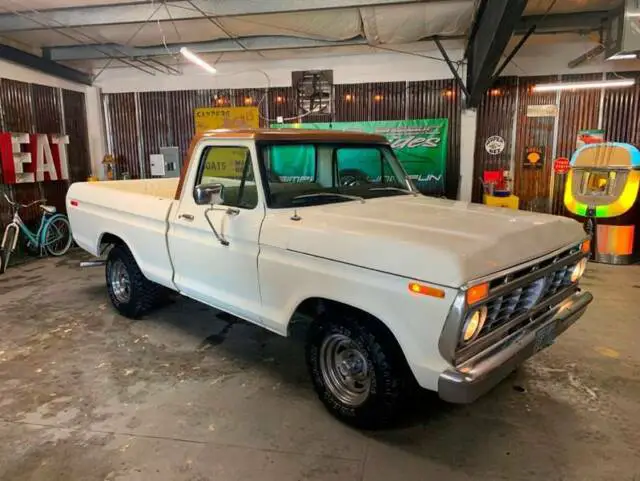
x=139, y=11
x=495, y=26
x=564, y=22
x=252, y=44
x=43, y=65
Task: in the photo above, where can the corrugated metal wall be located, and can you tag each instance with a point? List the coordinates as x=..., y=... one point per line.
x=33, y=108
x=495, y=118
x=142, y=123
x=617, y=111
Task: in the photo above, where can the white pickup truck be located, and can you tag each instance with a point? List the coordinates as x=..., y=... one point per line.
x=324, y=227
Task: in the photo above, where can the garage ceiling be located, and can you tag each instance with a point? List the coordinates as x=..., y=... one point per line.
x=91, y=34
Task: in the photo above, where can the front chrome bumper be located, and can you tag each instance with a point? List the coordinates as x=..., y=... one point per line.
x=473, y=378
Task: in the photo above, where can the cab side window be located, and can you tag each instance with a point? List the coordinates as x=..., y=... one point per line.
x=231, y=167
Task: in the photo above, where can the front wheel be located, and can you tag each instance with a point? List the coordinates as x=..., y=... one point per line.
x=8, y=245
x=57, y=236
x=357, y=370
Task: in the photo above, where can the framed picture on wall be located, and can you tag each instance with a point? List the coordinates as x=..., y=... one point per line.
x=533, y=158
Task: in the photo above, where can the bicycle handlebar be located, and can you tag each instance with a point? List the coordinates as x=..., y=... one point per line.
x=23, y=206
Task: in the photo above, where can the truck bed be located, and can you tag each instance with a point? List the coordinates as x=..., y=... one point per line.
x=136, y=211
x=164, y=188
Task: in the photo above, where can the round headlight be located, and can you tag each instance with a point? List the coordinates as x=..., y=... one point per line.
x=578, y=270
x=473, y=324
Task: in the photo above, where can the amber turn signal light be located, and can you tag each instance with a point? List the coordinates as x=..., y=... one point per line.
x=418, y=288
x=477, y=293
x=586, y=246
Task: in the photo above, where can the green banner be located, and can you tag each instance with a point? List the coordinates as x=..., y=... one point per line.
x=420, y=145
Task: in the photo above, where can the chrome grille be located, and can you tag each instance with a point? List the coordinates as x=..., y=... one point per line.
x=509, y=305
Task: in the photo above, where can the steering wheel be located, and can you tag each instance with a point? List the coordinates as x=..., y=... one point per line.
x=352, y=178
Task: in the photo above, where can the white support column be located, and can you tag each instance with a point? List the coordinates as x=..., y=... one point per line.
x=468, y=124
x=96, y=130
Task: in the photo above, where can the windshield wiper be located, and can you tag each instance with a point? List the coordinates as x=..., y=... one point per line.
x=329, y=194
x=397, y=189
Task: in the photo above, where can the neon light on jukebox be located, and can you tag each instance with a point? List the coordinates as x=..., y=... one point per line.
x=603, y=186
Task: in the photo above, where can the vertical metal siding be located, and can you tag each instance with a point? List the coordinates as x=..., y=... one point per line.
x=75, y=124
x=352, y=102
x=154, y=125
x=495, y=117
x=281, y=102
x=48, y=120
x=621, y=112
x=122, y=115
x=578, y=110
x=532, y=185
x=253, y=98
x=17, y=101
x=388, y=100
x=33, y=108
x=440, y=99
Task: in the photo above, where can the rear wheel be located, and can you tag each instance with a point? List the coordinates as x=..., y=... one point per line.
x=357, y=370
x=10, y=238
x=57, y=237
x=131, y=293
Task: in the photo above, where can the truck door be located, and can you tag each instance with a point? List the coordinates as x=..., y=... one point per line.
x=221, y=274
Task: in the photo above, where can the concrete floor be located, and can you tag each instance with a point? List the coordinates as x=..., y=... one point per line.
x=88, y=395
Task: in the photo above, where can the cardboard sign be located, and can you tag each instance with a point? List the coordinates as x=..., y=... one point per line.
x=561, y=165
x=211, y=118
x=28, y=158
x=548, y=110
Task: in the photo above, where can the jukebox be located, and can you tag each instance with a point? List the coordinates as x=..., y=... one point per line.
x=602, y=189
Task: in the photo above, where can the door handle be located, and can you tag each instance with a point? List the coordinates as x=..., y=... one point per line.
x=188, y=217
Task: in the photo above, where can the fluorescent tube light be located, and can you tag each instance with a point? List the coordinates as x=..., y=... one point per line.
x=192, y=57
x=603, y=84
x=624, y=56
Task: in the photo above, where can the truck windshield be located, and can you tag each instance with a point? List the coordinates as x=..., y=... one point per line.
x=303, y=174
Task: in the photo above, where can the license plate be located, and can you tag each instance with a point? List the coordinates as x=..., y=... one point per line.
x=545, y=337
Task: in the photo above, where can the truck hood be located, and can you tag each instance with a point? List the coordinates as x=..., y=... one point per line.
x=433, y=240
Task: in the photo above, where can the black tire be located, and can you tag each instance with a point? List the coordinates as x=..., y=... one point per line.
x=143, y=295
x=390, y=378
x=6, y=252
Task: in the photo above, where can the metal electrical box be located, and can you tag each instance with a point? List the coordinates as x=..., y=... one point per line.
x=167, y=163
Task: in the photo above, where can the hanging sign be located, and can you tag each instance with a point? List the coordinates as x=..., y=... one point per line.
x=561, y=165
x=548, y=110
x=419, y=144
x=593, y=136
x=494, y=145
x=28, y=158
x=211, y=118
x=534, y=157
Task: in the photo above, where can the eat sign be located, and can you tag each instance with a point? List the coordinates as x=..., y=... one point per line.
x=43, y=158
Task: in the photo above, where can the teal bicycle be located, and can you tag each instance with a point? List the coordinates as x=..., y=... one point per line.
x=53, y=235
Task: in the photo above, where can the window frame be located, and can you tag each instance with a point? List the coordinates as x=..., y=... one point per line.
x=206, y=148
x=261, y=144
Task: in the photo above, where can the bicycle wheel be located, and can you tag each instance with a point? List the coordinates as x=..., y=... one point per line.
x=11, y=234
x=57, y=236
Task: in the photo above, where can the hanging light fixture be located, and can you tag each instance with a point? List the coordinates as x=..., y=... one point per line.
x=192, y=57
x=600, y=84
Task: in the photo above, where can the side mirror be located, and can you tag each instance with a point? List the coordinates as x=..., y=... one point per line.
x=209, y=194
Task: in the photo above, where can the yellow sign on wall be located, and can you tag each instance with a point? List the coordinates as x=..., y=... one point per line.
x=210, y=118
x=226, y=162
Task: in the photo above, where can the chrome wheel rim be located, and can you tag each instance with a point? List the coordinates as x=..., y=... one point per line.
x=120, y=282
x=345, y=370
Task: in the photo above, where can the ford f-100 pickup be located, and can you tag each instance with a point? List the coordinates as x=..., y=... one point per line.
x=394, y=289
